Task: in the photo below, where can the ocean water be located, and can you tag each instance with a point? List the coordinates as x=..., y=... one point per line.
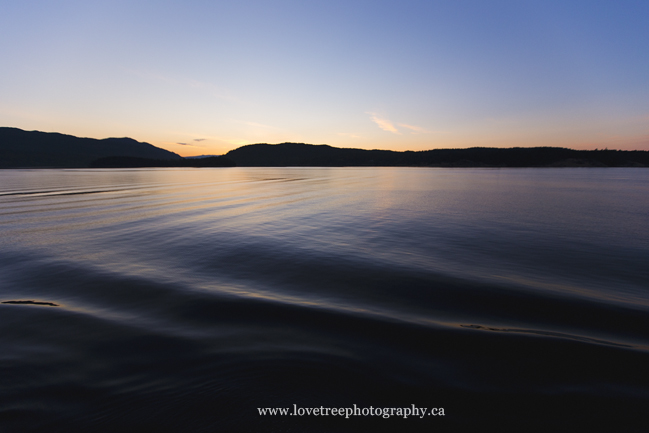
x=186, y=300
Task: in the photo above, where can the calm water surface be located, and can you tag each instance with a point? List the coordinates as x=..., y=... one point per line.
x=181, y=300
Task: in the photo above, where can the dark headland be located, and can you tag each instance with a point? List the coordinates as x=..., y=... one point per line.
x=37, y=149
x=33, y=149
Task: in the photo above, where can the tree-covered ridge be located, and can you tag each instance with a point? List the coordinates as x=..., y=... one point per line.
x=299, y=154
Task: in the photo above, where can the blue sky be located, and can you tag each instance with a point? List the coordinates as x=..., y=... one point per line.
x=215, y=75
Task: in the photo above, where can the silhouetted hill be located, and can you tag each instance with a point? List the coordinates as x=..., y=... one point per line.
x=20, y=148
x=299, y=154
x=132, y=162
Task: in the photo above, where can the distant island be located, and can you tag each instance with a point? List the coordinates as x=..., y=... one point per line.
x=132, y=162
x=308, y=155
x=34, y=149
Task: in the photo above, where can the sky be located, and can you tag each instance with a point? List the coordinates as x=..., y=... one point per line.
x=201, y=77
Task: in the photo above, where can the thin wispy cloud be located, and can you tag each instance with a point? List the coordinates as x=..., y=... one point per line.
x=173, y=143
x=260, y=125
x=196, y=144
x=383, y=123
x=414, y=128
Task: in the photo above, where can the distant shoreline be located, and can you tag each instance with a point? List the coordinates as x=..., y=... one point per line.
x=34, y=149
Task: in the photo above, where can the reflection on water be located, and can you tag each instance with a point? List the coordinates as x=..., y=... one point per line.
x=187, y=298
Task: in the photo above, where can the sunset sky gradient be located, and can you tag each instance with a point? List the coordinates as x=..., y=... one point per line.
x=205, y=77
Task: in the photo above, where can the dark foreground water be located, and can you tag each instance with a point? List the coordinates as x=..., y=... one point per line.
x=182, y=300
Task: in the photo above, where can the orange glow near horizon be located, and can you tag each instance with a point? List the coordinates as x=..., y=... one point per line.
x=613, y=143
